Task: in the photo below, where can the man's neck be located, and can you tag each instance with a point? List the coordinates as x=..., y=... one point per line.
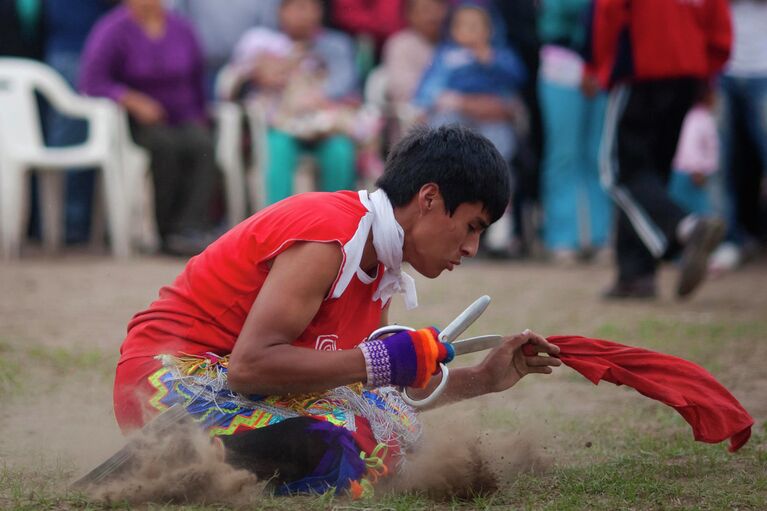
x=403, y=216
x=369, y=261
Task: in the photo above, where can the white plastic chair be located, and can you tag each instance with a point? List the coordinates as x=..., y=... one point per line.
x=228, y=83
x=226, y=88
x=22, y=150
x=228, y=120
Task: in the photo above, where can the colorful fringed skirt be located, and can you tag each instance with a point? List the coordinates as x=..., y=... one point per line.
x=342, y=440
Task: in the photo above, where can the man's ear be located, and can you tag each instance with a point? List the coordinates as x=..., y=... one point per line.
x=428, y=197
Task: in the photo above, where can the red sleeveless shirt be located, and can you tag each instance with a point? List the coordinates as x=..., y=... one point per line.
x=206, y=306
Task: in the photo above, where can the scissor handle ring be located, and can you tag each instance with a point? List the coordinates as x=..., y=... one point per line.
x=423, y=403
x=389, y=329
x=416, y=403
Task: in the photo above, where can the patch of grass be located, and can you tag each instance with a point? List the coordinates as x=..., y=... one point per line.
x=66, y=360
x=656, y=333
x=653, y=473
x=701, y=342
x=8, y=379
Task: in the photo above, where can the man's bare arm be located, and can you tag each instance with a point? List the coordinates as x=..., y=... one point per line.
x=263, y=360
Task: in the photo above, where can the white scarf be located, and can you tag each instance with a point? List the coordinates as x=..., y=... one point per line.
x=388, y=238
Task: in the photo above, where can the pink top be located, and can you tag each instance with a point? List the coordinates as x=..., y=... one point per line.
x=406, y=55
x=697, y=151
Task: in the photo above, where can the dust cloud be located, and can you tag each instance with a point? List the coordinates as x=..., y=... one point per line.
x=459, y=458
x=71, y=429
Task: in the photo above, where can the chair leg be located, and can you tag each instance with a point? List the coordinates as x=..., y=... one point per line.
x=117, y=210
x=260, y=157
x=98, y=221
x=13, y=197
x=52, y=210
x=139, y=192
x=229, y=160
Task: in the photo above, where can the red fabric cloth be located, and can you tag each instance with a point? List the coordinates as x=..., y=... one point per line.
x=714, y=414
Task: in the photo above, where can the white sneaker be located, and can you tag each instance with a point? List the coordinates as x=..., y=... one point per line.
x=726, y=257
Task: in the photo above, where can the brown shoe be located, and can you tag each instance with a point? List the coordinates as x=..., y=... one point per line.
x=704, y=239
x=642, y=288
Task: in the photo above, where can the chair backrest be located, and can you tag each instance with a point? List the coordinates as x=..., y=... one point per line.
x=20, y=124
x=376, y=88
x=227, y=83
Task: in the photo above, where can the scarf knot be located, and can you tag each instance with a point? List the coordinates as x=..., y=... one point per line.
x=388, y=239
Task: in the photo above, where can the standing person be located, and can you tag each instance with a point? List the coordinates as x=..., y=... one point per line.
x=377, y=20
x=21, y=29
x=148, y=60
x=520, y=19
x=744, y=114
x=576, y=210
x=696, y=159
x=282, y=304
x=67, y=25
x=654, y=54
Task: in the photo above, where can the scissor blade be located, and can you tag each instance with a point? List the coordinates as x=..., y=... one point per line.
x=464, y=319
x=474, y=344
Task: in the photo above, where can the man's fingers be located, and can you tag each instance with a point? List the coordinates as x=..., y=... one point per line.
x=542, y=361
x=539, y=370
x=540, y=344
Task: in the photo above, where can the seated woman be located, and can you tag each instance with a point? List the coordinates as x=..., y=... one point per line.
x=148, y=60
x=304, y=79
x=473, y=80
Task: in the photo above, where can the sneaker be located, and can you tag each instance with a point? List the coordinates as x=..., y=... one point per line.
x=704, y=239
x=640, y=288
x=725, y=258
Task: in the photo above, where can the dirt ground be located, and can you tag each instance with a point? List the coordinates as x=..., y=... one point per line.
x=62, y=320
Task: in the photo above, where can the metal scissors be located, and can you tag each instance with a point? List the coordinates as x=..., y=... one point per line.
x=450, y=335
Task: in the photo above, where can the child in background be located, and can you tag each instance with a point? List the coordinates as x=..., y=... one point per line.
x=473, y=81
x=696, y=159
x=292, y=101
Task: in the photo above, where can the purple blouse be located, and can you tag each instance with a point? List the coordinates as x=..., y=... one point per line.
x=120, y=56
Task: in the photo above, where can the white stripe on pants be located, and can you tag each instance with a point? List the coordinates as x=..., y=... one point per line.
x=609, y=169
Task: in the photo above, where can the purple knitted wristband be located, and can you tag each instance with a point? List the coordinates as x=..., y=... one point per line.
x=377, y=363
x=391, y=361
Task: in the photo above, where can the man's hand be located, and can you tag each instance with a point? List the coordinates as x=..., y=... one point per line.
x=507, y=364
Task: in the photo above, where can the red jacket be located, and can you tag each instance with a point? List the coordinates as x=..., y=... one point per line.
x=655, y=39
x=378, y=18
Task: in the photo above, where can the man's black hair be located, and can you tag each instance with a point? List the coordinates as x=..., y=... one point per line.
x=465, y=165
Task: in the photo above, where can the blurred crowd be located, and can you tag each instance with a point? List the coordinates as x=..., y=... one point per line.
x=599, y=167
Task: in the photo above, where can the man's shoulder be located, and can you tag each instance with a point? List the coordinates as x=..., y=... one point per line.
x=333, y=203
x=338, y=209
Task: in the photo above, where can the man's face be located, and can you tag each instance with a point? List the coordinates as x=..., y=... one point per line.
x=300, y=19
x=438, y=241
